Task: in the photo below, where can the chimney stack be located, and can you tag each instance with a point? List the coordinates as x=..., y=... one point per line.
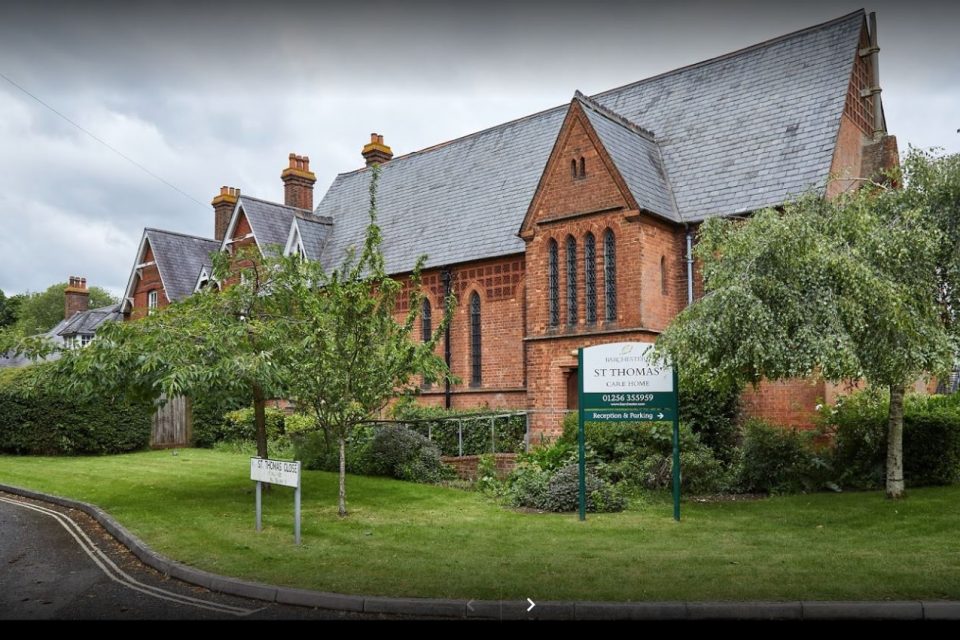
x=298, y=183
x=375, y=152
x=77, y=298
x=223, y=206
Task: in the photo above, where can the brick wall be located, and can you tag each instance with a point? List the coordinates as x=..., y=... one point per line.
x=466, y=466
x=148, y=281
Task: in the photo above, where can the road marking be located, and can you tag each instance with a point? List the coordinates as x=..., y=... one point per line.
x=468, y=605
x=532, y=605
x=103, y=561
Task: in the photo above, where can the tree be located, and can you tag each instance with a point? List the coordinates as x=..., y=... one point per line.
x=213, y=343
x=862, y=286
x=9, y=309
x=347, y=355
x=41, y=311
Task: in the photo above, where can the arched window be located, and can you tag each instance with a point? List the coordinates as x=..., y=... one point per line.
x=426, y=320
x=553, y=285
x=583, y=167
x=610, y=274
x=571, y=281
x=590, y=277
x=663, y=275
x=573, y=168
x=475, y=370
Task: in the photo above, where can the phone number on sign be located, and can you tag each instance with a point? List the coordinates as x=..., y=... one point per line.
x=627, y=397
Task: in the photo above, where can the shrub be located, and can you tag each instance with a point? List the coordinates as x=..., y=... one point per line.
x=527, y=486
x=404, y=454
x=241, y=424
x=313, y=449
x=563, y=492
x=443, y=429
x=550, y=457
x=711, y=412
x=37, y=417
x=931, y=439
x=641, y=454
x=781, y=460
x=209, y=418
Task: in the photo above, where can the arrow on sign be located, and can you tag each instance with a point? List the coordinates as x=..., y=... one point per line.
x=532, y=605
x=660, y=415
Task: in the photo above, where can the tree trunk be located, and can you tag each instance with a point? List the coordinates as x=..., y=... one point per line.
x=343, y=474
x=895, y=443
x=260, y=418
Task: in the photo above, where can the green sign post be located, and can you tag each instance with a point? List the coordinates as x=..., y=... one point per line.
x=619, y=384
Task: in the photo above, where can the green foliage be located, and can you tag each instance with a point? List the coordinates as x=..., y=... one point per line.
x=240, y=424
x=41, y=311
x=487, y=479
x=209, y=421
x=528, y=484
x=37, y=416
x=641, y=454
x=552, y=457
x=9, y=309
x=863, y=285
x=931, y=439
x=711, y=410
x=781, y=460
x=400, y=453
x=298, y=423
x=443, y=428
x=564, y=490
x=316, y=450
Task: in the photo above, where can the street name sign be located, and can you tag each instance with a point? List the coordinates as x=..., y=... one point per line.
x=285, y=473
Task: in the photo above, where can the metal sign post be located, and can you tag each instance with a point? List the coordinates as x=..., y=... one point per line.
x=283, y=472
x=619, y=384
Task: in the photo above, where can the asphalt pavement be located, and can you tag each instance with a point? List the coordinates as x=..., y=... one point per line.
x=59, y=564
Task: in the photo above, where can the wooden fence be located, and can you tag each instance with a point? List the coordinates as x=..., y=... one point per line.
x=172, y=424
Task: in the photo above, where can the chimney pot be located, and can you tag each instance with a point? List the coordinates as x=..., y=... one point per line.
x=76, y=297
x=223, y=206
x=376, y=152
x=298, y=183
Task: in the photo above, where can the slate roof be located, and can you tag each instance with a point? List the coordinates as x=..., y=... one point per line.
x=637, y=156
x=736, y=133
x=269, y=221
x=84, y=322
x=87, y=322
x=314, y=232
x=179, y=258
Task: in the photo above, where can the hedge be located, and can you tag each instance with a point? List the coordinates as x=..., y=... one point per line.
x=441, y=427
x=37, y=417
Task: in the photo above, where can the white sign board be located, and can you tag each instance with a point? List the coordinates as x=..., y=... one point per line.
x=623, y=368
x=280, y=472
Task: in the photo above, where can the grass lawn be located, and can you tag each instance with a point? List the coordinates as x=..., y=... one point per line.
x=415, y=540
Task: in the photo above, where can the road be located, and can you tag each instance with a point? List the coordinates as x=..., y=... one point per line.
x=59, y=563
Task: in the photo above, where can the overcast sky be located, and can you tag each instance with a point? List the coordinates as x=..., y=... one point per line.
x=204, y=97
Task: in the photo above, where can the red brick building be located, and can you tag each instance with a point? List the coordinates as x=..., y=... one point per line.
x=573, y=226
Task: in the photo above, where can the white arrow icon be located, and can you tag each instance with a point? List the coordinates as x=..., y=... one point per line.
x=660, y=415
x=532, y=605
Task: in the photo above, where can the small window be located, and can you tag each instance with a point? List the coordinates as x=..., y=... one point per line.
x=571, y=281
x=590, y=277
x=475, y=368
x=610, y=274
x=426, y=320
x=663, y=275
x=583, y=167
x=85, y=339
x=553, y=285
x=573, y=168
x=151, y=301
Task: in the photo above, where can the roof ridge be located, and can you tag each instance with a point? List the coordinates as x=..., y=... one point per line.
x=180, y=233
x=764, y=43
x=313, y=217
x=610, y=114
x=271, y=202
x=736, y=52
